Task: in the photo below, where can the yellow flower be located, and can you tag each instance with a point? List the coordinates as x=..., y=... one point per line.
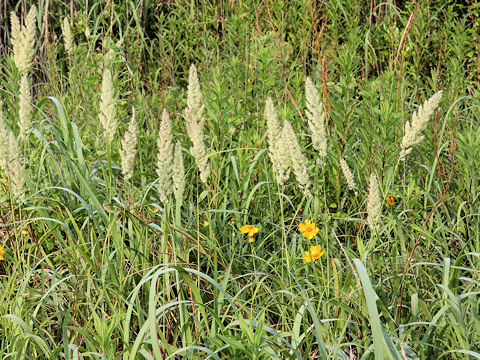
x=249, y=229
x=205, y=223
x=390, y=200
x=251, y=239
x=315, y=253
x=1, y=252
x=309, y=229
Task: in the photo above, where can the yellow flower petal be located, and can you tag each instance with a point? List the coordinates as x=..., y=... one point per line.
x=302, y=227
x=253, y=231
x=245, y=229
x=317, y=249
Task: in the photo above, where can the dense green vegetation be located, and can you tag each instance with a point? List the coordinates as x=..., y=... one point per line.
x=96, y=266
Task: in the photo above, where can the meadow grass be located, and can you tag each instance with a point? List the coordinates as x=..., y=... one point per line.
x=101, y=265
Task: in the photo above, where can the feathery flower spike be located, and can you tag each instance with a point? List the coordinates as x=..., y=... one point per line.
x=374, y=203
x=23, y=40
x=297, y=159
x=278, y=151
x=418, y=123
x=15, y=167
x=178, y=173
x=165, y=157
x=25, y=108
x=316, y=120
x=195, y=123
x=67, y=36
x=348, y=175
x=3, y=142
x=129, y=148
x=108, y=114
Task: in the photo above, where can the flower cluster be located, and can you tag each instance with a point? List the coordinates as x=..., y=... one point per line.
x=284, y=151
x=309, y=230
x=170, y=168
